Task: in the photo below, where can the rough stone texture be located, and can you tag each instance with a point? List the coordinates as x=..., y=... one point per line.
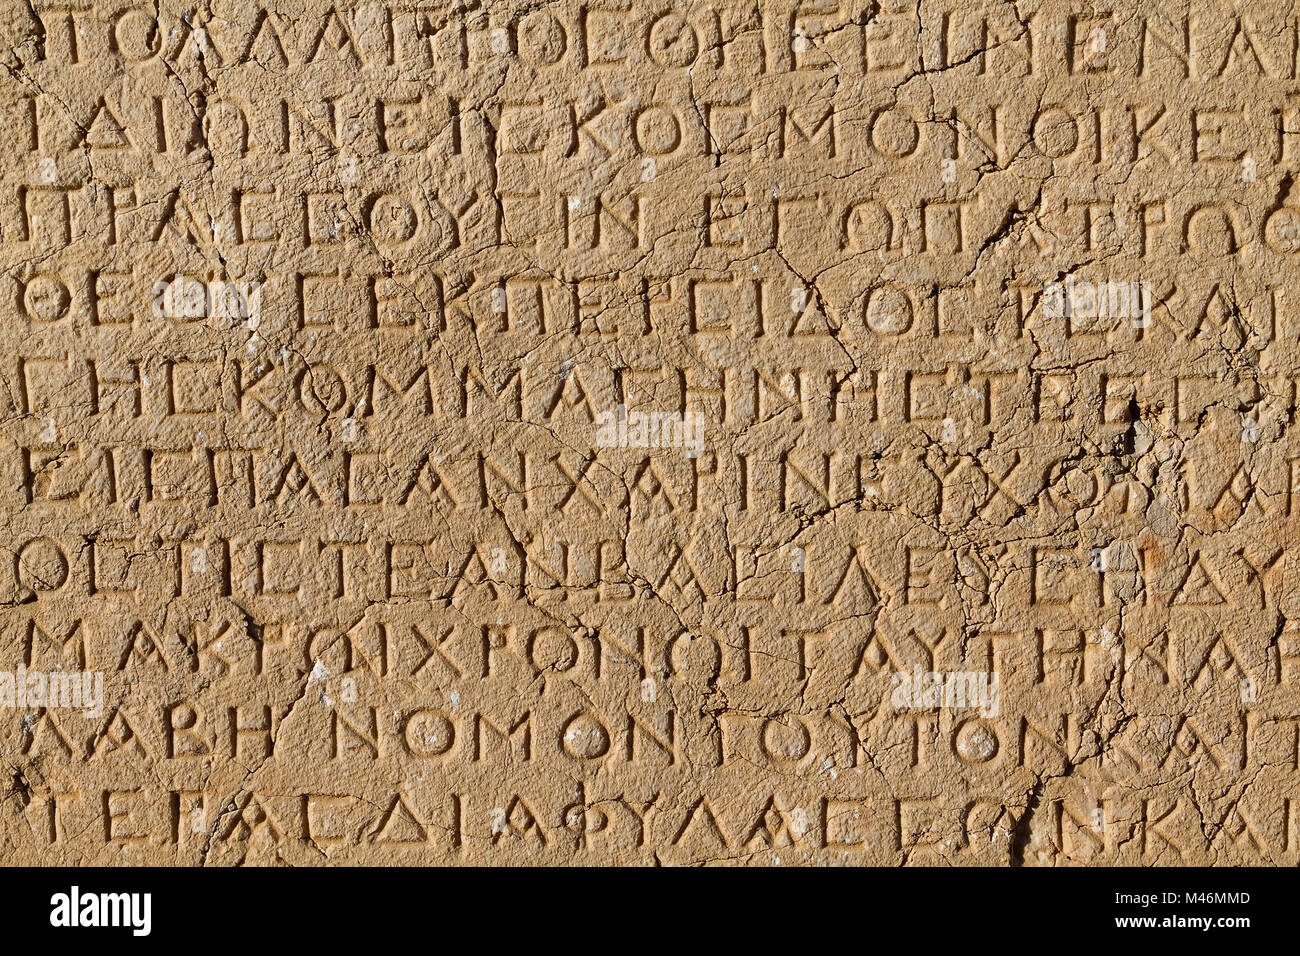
x=939, y=337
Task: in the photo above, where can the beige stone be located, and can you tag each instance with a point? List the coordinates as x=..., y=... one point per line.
x=634, y=432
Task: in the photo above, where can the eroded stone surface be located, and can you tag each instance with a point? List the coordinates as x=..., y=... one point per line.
x=554, y=432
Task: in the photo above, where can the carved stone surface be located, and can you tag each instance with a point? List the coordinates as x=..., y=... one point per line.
x=649, y=432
